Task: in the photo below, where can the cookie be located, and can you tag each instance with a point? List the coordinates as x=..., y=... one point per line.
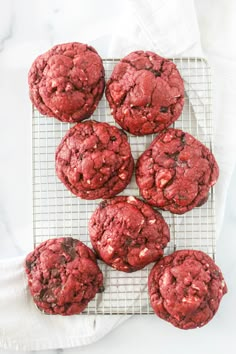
x=63, y=276
x=176, y=172
x=145, y=93
x=186, y=288
x=94, y=160
x=128, y=234
x=67, y=82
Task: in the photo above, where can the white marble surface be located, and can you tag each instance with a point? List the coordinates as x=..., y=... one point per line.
x=28, y=28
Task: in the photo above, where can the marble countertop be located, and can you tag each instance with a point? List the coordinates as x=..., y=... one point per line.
x=28, y=28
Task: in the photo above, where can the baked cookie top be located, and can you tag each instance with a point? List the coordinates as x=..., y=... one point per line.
x=127, y=233
x=67, y=82
x=186, y=288
x=145, y=93
x=63, y=276
x=94, y=160
x=176, y=172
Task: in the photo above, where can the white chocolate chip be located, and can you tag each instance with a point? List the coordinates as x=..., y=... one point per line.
x=143, y=252
x=110, y=249
x=54, y=83
x=195, y=287
x=163, y=182
x=152, y=221
x=122, y=175
x=131, y=199
x=190, y=300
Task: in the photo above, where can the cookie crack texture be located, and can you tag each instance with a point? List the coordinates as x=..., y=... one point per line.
x=67, y=82
x=176, y=172
x=63, y=276
x=145, y=93
x=186, y=288
x=128, y=234
x=94, y=160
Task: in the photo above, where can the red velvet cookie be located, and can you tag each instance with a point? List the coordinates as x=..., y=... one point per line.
x=63, y=276
x=176, y=172
x=128, y=234
x=145, y=93
x=67, y=82
x=186, y=288
x=94, y=160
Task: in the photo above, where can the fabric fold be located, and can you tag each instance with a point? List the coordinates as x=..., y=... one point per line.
x=24, y=327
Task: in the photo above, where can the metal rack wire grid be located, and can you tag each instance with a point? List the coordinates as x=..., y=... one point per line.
x=56, y=212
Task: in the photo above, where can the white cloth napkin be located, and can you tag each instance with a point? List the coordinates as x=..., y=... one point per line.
x=170, y=28
x=24, y=327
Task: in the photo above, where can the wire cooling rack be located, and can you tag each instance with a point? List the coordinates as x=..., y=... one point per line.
x=56, y=212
